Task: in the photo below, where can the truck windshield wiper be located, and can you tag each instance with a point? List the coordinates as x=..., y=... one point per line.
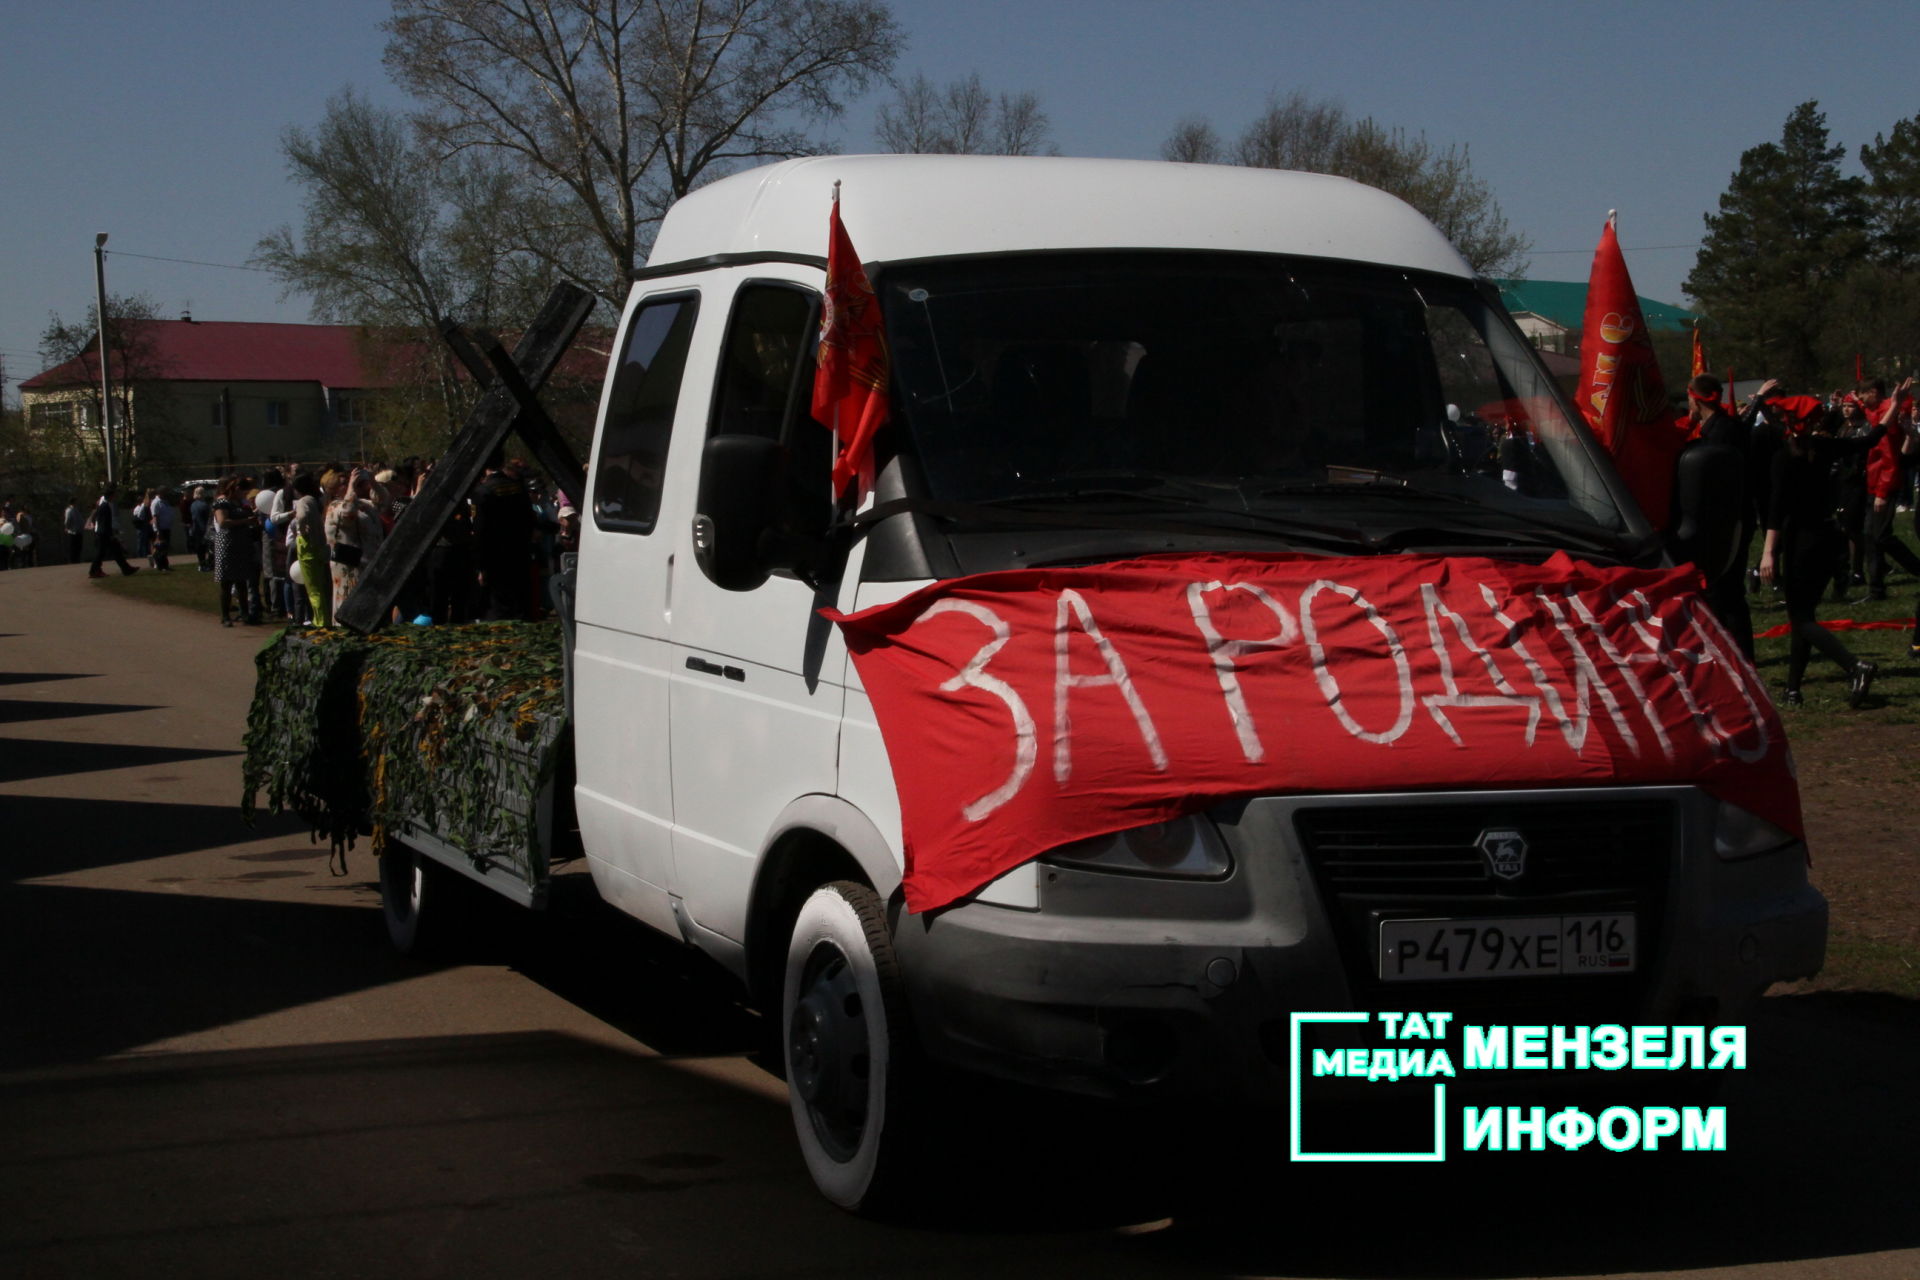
x=1132, y=483
x=1509, y=528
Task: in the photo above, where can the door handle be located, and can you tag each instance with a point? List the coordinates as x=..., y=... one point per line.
x=706, y=668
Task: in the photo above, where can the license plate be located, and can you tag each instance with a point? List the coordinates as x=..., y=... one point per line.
x=1506, y=947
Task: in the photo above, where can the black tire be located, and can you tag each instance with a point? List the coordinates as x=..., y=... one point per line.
x=410, y=898
x=852, y=1073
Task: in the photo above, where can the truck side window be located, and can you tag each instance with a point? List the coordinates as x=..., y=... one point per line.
x=766, y=388
x=639, y=421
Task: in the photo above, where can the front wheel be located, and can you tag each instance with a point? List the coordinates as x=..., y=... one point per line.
x=849, y=1058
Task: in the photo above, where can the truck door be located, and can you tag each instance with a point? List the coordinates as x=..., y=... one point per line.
x=758, y=676
x=621, y=649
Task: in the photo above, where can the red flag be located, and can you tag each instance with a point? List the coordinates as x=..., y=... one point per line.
x=850, y=374
x=1796, y=413
x=1699, y=353
x=1621, y=391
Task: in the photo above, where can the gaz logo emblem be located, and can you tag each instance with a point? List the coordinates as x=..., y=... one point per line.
x=1505, y=851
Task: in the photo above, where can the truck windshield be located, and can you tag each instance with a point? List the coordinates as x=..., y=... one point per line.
x=1232, y=383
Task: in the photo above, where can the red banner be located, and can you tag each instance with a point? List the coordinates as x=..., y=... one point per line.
x=1782, y=630
x=1621, y=391
x=1027, y=709
x=851, y=367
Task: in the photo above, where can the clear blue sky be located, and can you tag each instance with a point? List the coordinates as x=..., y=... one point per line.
x=158, y=121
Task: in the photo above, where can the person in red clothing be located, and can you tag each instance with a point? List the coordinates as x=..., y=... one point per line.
x=1886, y=476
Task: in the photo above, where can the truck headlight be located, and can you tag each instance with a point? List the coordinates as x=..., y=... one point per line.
x=1740, y=834
x=1186, y=848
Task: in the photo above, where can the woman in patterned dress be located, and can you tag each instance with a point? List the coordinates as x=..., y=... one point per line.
x=233, y=549
x=353, y=519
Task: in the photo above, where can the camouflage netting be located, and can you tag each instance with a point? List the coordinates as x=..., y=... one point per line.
x=451, y=729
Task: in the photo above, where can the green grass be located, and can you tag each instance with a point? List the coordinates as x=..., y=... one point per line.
x=1896, y=690
x=186, y=587
x=1869, y=964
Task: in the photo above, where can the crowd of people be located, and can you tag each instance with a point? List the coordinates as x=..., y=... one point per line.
x=19, y=538
x=1825, y=478
x=291, y=544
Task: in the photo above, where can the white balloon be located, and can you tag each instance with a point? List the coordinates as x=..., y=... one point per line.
x=298, y=572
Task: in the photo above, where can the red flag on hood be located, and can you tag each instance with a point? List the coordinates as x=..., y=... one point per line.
x=850, y=375
x=1621, y=391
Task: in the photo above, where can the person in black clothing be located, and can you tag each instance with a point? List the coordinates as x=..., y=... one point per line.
x=450, y=570
x=1726, y=583
x=106, y=536
x=1802, y=541
x=503, y=537
x=415, y=597
x=1850, y=500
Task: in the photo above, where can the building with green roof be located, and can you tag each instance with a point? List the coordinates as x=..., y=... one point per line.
x=1551, y=312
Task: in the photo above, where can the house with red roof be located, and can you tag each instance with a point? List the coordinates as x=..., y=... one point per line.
x=203, y=394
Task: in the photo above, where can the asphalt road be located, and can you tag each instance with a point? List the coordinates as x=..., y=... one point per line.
x=211, y=1065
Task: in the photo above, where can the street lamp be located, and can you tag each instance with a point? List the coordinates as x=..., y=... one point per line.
x=100, y=314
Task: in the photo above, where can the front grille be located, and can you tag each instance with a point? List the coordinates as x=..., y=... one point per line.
x=1433, y=849
x=1417, y=861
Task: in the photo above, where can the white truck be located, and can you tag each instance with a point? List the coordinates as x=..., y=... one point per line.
x=1082, y=350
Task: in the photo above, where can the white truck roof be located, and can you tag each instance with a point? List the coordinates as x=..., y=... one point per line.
x=902, y=207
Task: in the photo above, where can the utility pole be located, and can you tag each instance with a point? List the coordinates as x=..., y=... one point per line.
x=106, y=380
x=226, y=420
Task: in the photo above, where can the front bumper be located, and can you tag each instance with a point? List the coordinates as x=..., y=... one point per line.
x=1123, y=986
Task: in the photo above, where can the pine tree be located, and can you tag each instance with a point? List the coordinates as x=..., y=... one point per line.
x=1893, y=196
x=1876, y=311
x=1790, y=228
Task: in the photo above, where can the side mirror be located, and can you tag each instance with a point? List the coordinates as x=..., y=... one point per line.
x=1709, y=487
x=741, y=482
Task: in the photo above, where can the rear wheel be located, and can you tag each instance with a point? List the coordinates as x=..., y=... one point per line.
x=408, y=897
x=849, y=1058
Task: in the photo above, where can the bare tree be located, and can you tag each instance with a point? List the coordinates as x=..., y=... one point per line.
x=139, y=373
x=1295, y=133
x=1020, y=127
x=1439, y=182
x=1193, y=141
x=968, y=116
x=610, y=110
x=375, y=219
x=912, y=123
x=962, y=119
x=396, y=239
x=1317, y=136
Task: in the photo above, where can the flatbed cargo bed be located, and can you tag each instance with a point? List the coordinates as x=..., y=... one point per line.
x=452, y=740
